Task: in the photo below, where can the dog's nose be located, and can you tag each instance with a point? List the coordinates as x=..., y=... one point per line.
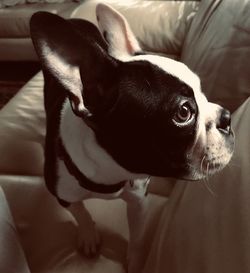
x=224, y=124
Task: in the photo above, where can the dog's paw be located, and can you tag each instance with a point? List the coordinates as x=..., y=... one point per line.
x=89, y=240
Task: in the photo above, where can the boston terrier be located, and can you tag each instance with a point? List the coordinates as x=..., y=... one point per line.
x=117, y=115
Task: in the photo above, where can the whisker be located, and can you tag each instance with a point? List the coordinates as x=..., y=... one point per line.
x=207, y=172
x=206, y=181
x=202, y=161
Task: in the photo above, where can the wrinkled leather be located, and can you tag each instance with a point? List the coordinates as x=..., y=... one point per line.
x=160, y=26
x=217, y=48
x=163, y=29
x=206, y=226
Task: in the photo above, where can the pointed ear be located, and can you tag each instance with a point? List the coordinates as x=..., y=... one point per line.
x=76, y=63
x=116, y=31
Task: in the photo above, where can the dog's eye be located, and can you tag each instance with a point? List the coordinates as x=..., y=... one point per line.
x=183, y=115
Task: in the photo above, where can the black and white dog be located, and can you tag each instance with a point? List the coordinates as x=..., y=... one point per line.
x=116, y=116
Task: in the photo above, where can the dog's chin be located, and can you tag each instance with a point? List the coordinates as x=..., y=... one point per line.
x=207, y=168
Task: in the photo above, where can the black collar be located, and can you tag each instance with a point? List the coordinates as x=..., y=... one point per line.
x=81, y=178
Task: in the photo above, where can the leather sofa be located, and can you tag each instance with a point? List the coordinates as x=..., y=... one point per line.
x=15, y=42
x=188, y=228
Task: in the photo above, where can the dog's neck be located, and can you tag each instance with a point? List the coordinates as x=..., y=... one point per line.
x=91, y=159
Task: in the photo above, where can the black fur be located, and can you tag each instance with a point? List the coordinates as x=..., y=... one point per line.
x=138, y=131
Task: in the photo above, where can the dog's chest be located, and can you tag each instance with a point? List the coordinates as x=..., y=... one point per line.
x=68, y=188
x=89, y=157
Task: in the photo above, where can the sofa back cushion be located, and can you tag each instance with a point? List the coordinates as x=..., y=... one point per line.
x=160, y=26
x=217, y=48
x=205, y=226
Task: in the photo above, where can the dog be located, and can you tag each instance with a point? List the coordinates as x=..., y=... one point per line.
x=117, y=115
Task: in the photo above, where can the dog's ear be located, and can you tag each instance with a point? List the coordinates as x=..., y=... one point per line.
x=116, y=31
x=75, y=62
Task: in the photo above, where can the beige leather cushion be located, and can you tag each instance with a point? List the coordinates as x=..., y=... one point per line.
x=14, y=21
x=22, y=130
x=217, y=47
x=49, y=234
x=200, y=230
x=160, y=26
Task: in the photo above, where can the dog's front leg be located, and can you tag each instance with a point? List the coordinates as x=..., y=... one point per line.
x=88, y=236
x=136, y=201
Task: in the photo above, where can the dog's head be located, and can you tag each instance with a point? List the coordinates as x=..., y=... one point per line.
x=147, y=111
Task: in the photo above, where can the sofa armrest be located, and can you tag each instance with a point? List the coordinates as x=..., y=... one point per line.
x=24, y=113
x=22, y=131
x=160, y=26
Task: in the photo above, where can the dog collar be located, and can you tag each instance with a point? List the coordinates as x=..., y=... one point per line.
x=81, y=178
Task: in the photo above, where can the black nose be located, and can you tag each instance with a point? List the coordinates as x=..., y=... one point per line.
x=224, y=124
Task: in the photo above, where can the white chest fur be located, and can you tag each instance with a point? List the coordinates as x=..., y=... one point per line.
x=90, y=158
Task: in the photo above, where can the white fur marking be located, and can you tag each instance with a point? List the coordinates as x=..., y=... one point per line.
x=91, y=159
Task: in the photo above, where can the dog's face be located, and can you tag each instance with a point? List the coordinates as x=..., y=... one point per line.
x=168, y=128
x=147, y=111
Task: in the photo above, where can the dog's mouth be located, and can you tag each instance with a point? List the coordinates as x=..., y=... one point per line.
x=211, y=166
x=211, y=159
x=207, y=169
